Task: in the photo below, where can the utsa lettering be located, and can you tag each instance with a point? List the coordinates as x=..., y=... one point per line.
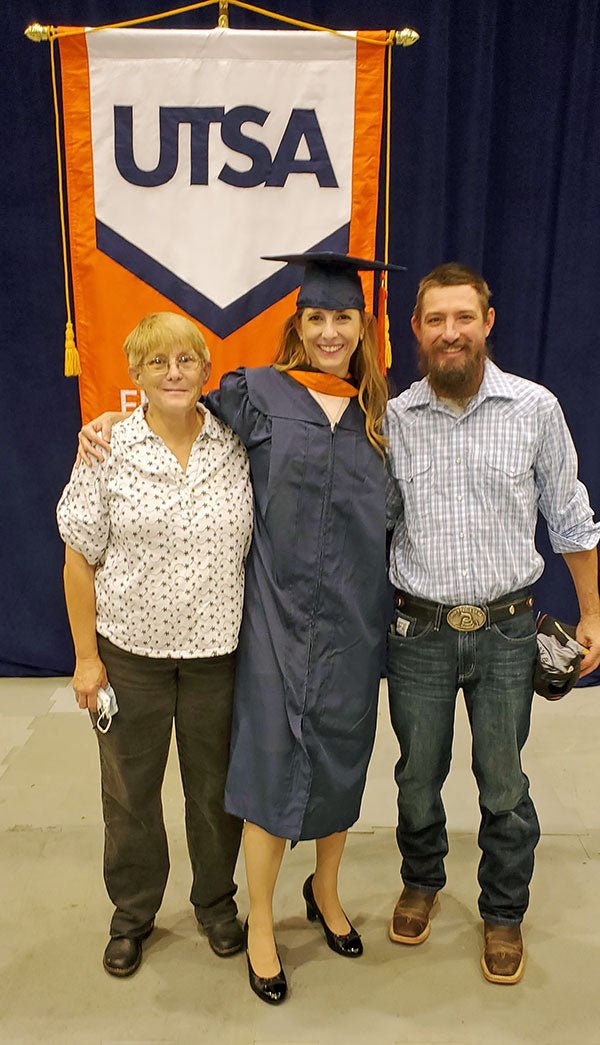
x=264, y=169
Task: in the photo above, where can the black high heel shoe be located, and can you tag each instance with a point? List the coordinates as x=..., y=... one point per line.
x=271, y=989
x=349, y=945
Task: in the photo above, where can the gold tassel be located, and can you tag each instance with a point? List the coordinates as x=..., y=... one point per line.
x=388, y=342
x=72, y=361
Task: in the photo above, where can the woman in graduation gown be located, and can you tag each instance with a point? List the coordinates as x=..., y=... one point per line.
x=313, y=628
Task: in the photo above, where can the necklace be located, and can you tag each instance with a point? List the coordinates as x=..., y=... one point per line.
x=332, y=406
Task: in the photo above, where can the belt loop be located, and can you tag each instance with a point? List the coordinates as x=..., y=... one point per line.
x=438, y=616
x=488, y=621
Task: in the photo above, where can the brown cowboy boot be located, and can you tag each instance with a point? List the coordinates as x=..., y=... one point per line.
x=410, y=921
x=502, y=960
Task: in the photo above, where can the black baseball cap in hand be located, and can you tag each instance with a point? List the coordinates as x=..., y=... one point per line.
x=559, y=658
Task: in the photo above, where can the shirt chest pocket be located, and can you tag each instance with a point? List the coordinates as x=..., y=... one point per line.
x=514, y=460
x=414, y=474
x=508, y=474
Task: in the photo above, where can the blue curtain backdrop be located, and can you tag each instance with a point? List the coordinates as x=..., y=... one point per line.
x=496, y=162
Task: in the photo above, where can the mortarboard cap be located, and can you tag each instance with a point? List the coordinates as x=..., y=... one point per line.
x=331, y=280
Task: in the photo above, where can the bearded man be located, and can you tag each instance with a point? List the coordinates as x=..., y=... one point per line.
x=474, y=453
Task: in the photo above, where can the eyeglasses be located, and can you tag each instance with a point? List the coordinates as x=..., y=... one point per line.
x=161, y=364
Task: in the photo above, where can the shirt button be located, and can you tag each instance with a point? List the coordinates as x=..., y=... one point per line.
x=458, y=460
x=464, y=573
x=461, y=534
x=459, y=498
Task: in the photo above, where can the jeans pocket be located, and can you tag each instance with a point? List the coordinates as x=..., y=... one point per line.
x=405, y=628
x=516, y=630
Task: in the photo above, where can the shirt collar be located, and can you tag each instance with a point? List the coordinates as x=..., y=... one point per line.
x=495, y=385
x=135, y=430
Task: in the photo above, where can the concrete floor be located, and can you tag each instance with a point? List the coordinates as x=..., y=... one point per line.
x=54, y=912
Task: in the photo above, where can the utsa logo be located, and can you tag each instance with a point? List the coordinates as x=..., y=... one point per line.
x=273, y=171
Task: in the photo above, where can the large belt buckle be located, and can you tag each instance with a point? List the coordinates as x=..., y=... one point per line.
x=466, y=618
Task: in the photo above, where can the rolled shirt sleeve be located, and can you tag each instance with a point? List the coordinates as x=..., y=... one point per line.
x=563, y=499
x=83, y=512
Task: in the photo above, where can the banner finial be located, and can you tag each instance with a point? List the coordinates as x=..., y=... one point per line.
x=406, y=37
x=38, y=33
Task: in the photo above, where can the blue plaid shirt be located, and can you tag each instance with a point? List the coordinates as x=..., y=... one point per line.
x=465, y=490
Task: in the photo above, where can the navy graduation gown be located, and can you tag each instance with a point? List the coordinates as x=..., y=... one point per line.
x=313, y=629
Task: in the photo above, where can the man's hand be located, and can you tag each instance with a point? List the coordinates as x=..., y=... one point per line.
x=588, y=634
x=90, y=676
x=94, y=437
x=583, y=567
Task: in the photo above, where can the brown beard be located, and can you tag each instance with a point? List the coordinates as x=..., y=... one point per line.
x=460, y=383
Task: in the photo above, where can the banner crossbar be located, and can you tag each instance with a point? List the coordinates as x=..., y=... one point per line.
x=38, y=32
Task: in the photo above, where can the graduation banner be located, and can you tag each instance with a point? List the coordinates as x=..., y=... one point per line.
x=191, y=153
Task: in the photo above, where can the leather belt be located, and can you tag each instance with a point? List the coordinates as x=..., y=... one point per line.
x=464, y=617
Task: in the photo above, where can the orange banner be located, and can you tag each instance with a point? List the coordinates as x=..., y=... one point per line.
x=155, y=225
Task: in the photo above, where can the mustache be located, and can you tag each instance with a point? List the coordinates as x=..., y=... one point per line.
x=429, y=358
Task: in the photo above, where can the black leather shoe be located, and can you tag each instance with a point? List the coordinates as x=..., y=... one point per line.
x=123, y=954
x=225, y=937
x=349, y=945
x=271, y=989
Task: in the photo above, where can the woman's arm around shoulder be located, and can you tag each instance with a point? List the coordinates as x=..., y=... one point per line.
x=94, y=437
x=232, y=403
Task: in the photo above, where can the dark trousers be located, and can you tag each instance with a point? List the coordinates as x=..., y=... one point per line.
x=494, y=667
x=151, y=694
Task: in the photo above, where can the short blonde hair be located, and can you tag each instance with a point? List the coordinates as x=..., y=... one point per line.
x=154, y=333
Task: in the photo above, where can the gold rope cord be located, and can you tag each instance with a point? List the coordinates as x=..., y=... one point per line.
x=78, y=30
x=386, y=212
x=72, y=361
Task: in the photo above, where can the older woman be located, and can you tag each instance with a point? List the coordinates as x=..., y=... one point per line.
x=314, y=619
x=156, y=538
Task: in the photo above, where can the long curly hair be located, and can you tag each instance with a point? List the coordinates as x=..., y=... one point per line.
x=364, y=369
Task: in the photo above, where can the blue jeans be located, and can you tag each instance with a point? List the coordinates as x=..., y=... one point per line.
x=494, y=666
